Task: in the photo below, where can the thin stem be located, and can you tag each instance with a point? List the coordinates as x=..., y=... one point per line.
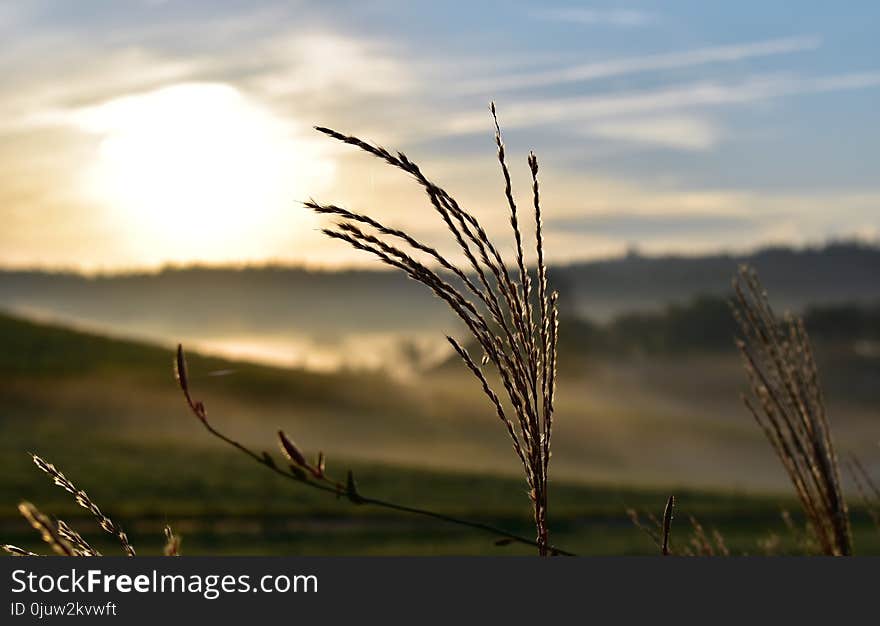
x=337, y=489
x=668, y=512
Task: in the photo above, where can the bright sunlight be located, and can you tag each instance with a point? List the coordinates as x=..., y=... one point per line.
x=199, y=167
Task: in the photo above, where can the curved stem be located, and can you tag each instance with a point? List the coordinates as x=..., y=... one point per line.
x=364, y=500
x=350, y=490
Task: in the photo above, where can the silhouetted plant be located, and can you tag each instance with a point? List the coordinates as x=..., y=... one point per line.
x=787, y=403
x=698, y=543
x=63, y=539
x=516, y=334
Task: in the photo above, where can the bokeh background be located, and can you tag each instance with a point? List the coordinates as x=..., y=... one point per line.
x=153, y=159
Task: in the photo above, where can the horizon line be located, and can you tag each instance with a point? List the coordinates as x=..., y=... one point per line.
x=632, y=252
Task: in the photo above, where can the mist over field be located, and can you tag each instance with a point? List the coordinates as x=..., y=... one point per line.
x=650, y=387
x=404, y=243
x=323, y=320
x=648, y=397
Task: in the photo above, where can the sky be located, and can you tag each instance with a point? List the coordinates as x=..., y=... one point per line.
x=140, y=133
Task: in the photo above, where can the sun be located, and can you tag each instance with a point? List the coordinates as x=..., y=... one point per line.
x=198, y=171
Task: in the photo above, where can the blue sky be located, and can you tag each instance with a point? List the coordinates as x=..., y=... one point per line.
x=679, y=127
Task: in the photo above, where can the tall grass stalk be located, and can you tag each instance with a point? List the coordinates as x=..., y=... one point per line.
x=83, y=499
x=787, y=402
x=516, y=334
x=63, y=539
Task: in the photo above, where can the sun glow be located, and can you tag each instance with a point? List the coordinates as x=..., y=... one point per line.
x=198, y=172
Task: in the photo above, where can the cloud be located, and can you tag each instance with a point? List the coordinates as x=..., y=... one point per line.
x=682, y=133
x=388, y=83
x=624, y=225
x=594, y=17
x=714, y=220
x=590, y=215
x=84, y=78
x=333, y=64
x=540, y=112
x=10, y=17
x=319, y=76
x=632, y=65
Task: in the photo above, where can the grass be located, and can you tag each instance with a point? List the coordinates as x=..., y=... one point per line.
x=517, y=331
x=155, y=467
x=517, y=336
x=788, y=404
x=114, y=413
x=221, y=504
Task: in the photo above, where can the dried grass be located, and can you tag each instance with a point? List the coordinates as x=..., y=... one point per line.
x=47, y=528
x=63, y=539
x=16, y=551
x=786, y=400
x=172, y=543
x=83, y=499
x=80, y=546
x=698, y=543
x=517, y=337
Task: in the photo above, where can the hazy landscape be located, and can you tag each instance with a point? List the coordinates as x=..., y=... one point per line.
x=246, y=247
x=297, y=317
x=648, y=403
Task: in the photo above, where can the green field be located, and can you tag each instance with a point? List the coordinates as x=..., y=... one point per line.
x=108, y=413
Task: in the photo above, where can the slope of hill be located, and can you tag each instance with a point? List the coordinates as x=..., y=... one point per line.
x=108, y=412
x=610, y=407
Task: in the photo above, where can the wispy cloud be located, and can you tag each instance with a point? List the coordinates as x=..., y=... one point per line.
x=598, y=17
x=610, y=215
x=576, y=84
x=333, y=64
x=85, y=78
x=622, y=225
x=633, y=65
x=541, y=112
x=682, y=133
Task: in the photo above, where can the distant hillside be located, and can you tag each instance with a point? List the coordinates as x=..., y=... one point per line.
x=54, y=354
x=837, y=273
x=322, y=319
x=278, y=296
x=269, y=299
x=846, y=339
x=706, y=324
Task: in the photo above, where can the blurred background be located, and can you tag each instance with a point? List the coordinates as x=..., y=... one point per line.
x=153, y=160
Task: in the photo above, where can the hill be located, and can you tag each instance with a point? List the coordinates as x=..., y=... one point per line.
x=375, y=319
x=107, y=412
x=276, y=298
x=832, y=274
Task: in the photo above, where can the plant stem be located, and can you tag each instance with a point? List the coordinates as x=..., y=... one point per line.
x=364, y=500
